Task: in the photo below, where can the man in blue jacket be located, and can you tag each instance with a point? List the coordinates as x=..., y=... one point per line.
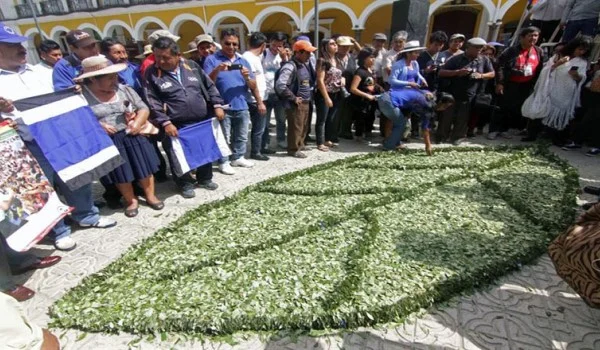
x=82, y=46
x=177, y=99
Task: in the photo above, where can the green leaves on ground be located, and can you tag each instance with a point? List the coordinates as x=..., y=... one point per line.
x=363, y=240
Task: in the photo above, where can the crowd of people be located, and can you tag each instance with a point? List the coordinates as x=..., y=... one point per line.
x=449, y=90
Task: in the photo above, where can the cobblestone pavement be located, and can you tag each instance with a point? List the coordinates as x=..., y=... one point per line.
x=529, y=309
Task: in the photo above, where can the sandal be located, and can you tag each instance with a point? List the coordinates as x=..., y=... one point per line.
x=130, y=213
x=323, y=148
x=156, y=206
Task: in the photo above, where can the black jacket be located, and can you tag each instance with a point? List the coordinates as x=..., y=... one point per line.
x=180, y=103
x=507, y=60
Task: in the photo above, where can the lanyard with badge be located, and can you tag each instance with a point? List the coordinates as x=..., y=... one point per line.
x=527, y=68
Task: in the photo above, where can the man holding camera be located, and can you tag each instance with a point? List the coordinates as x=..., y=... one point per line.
x=465, y=73
x=233, y=77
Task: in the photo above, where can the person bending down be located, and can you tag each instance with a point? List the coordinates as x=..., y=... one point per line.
x=421, y=103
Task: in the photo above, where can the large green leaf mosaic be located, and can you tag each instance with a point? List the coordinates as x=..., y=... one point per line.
x=358, y=241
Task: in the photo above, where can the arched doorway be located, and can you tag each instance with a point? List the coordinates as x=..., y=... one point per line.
x=378, y=21
x=234, y=20
x=33, y=41
x=278, y=22
x=124, y=36
x=61, y=38
x=457, y=19
x=188, y=30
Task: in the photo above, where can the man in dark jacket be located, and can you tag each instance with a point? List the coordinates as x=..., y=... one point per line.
x=294, y=87
x=177, y=99
x=519, y=68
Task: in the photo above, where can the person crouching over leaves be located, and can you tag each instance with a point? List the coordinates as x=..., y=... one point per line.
x=422, y=104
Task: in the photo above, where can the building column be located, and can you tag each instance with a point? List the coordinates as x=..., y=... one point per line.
x=358, y=34
x=494, y=29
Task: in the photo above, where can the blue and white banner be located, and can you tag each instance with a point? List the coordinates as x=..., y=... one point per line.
x=69, y=134
x=197, y=145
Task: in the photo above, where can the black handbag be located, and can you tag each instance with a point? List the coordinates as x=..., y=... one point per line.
x=483, y=100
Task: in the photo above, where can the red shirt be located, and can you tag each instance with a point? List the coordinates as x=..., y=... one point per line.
x=527, y=57
x=147, y=63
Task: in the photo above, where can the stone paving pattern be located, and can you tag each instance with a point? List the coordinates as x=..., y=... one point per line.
x=529, y=309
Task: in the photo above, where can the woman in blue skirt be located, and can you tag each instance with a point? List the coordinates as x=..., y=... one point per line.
x=123, y=115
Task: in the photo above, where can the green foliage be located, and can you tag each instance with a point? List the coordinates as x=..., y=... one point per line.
x=355, y=242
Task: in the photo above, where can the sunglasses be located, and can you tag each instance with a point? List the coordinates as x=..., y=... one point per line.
x=230, y=44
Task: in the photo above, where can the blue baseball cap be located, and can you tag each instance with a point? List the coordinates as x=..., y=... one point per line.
x=8, y=35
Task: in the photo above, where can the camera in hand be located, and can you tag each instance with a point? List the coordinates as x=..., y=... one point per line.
x=235, y=66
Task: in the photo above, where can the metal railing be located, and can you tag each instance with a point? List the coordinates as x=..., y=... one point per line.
x=52, y=7
x=143, y=2
x=81, y=5
x=112, y=3
x=24, y=11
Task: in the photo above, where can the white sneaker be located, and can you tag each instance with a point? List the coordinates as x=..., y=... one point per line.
x=242, y=162
x=65, y=243
x=492, y=135
x=102, y=223
x=226, y=169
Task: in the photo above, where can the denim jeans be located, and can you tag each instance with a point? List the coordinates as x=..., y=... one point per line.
x=258, y=129
x=273, y=104
x=394, y=114
x=81, y=199
x=235, y=128
x=325, y=129
x=585, y=26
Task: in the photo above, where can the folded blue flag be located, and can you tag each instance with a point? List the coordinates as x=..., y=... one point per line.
x=197, y=145
x=69, y=134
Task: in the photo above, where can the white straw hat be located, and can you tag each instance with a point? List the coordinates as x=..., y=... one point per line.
x=412, y=45
x=99, y=65
x=147, y=51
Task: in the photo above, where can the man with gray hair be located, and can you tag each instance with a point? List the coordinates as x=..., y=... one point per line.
x=398, y=41
x=466, y=73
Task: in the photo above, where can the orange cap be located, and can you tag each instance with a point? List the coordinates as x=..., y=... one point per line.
x=303, y=45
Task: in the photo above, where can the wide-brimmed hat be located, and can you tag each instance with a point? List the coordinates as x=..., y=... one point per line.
x=344, y=41
x=380, y=36
x=412, y=45
x=457, y=36
x=204, y=38
x=477, y=42
x=192, y=46
x=99, y=65
x=161, y=33
x=147, y=51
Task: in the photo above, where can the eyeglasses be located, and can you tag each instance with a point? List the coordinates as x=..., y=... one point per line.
x=230, y=44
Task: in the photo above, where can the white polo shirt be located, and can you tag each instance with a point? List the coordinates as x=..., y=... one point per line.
x=27, y=82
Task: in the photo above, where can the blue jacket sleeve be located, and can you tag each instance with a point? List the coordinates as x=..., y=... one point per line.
x=62, y=75
x=395, y=79
x=417, y=69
